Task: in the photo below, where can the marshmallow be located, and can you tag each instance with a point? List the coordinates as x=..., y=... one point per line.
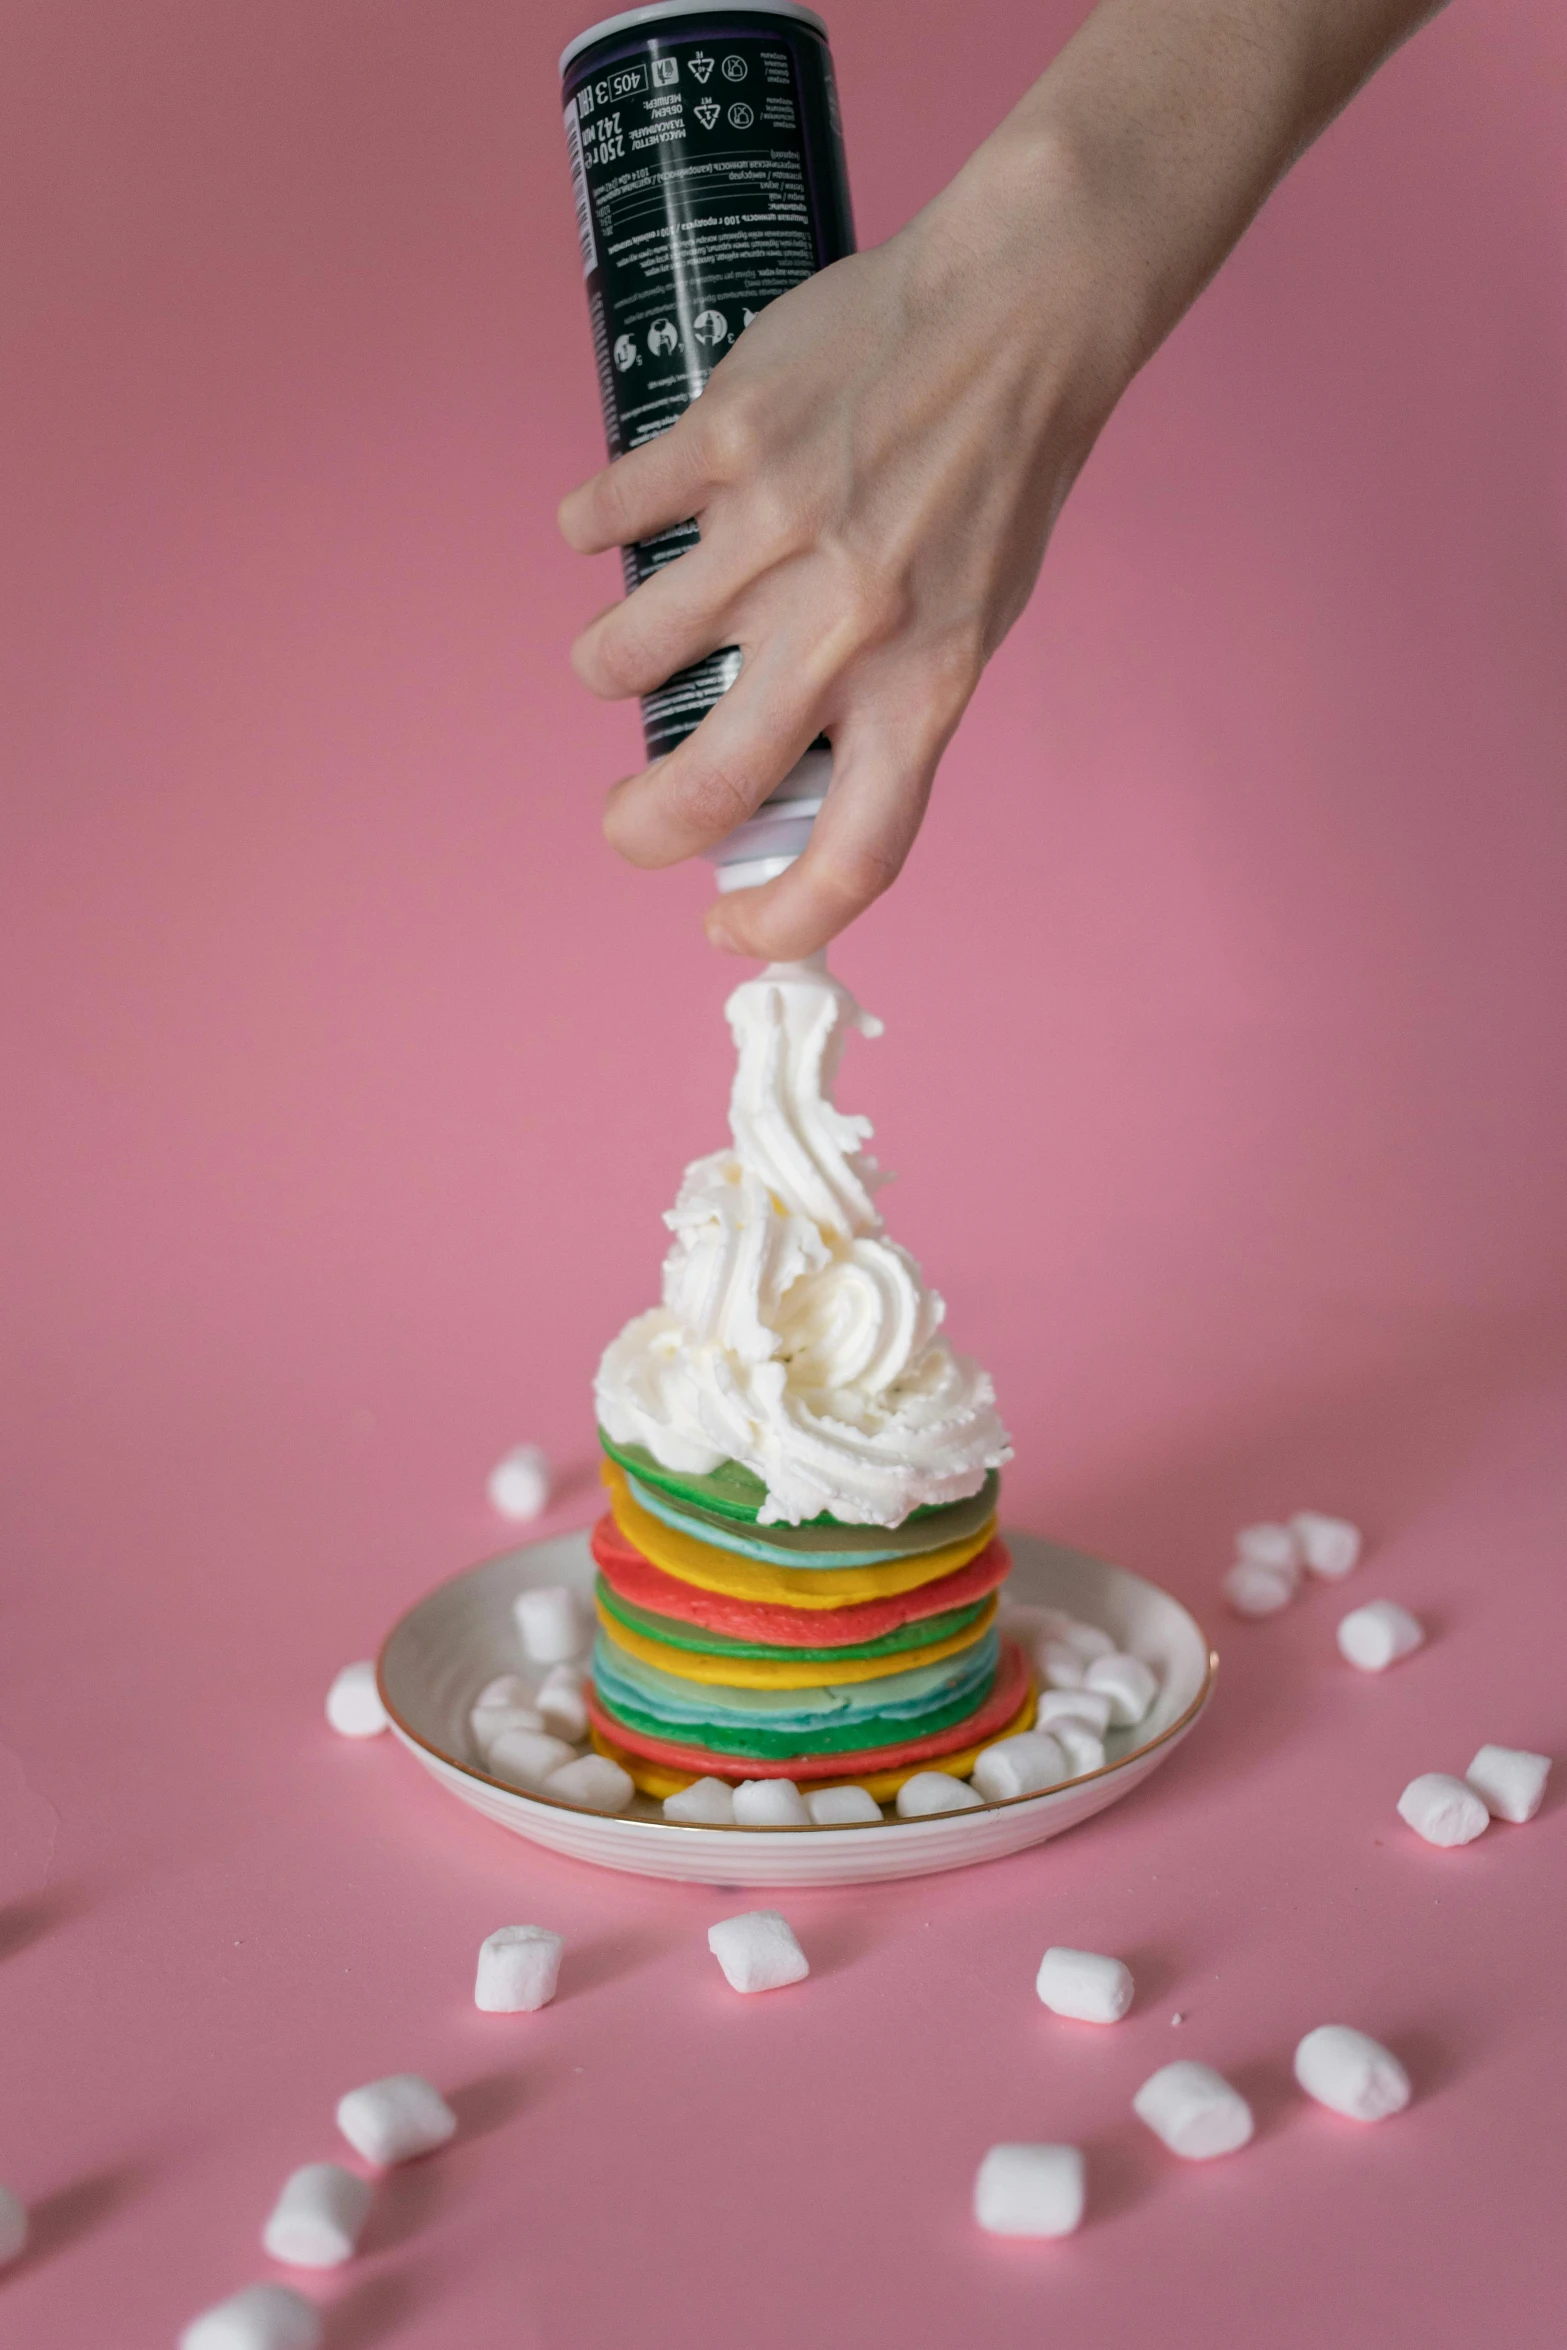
x=525, y=1758
x=1442, y=1809
x=1061, y=1664
x=1194, y=2110
x=1129, y=1685
x=1082, y=1984
x=13, y=2225
x=502, y=1705
x=1029, y=2191
x=1376, y=1636
x=1509, y=1781
x=1090, y=1708
x=519, y=1967
x=1270, y=1546
x=1084, y=1748
x=519, y=1486
x=1020, y=1765
x=562, y=1703
x=1088, y=1639
x=507, y=1689
x=1352, y=2073
x=262, y=2317
x=315, y=2222
x=843, y=1807
x=757, y=1951
x=1253, y=1589
x=929, y=1792
x=353, y=1703
x=392, y=2120
x=770, y=1803
x=551, y=1624
x=706, y=1803
x=1329, y=1546
x=592, y=1781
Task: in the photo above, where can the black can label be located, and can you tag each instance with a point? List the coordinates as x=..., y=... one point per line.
x=707, y=163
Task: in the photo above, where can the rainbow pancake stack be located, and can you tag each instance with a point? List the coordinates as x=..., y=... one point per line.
x=825, y=1653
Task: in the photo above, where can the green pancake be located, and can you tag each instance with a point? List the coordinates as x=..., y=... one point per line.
x=731, y=1495
x=866, y=1733
x=675, y=1633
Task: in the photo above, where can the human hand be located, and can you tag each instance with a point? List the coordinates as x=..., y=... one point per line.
x=875, y=468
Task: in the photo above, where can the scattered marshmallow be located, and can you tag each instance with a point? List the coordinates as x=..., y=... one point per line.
x=1270, y=1546
x=262, y=2317
x=519, y=1967
x=757, y=1951
x=843, y=1807
x=13, y=2226
x=1194, y=2110
x=1061, y=1664
x=1509, y=1781
x=1253, y=1589
x=551, y=1624
x=1084, y=1748
x=1090, y=1707
x=1376, y=1636
x=1443, y=1810
x=525, y=1758
x=1089, y=1640
x=706, y=1803
x=594, y=1781
x=770, y=1803
x=316, y=2220
x=562, y=1702
x=353, y=1703
x=393, y=2120
x=1329, y=1546
x=1030, y=2190
x=1084, y=1985
x=1021, y=1765
x=929, y=1792
x=1129, y=1685
x=519, y=1486
x=1351, y=2073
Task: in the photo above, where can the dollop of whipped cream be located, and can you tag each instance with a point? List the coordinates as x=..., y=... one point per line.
x=794, y=1336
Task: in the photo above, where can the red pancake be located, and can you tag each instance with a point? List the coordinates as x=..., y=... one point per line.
x=636, y=1579
x=1011, y=1687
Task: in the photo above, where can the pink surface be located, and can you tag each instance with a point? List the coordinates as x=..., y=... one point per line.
x=348, y=1076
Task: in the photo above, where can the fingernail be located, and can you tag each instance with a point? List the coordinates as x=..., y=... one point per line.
x=720, y=935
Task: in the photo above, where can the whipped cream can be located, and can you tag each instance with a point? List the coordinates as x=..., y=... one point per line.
x=707, y=164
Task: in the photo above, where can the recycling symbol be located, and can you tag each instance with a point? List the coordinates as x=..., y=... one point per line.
x=701, y=65
x=626, y=353
x=707, y=111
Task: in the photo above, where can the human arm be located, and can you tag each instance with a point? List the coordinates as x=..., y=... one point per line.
x=877, y=463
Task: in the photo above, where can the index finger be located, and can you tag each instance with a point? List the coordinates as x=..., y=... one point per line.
x=640, y=494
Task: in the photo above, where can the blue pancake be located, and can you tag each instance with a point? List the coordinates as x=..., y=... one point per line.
x=859, y=1713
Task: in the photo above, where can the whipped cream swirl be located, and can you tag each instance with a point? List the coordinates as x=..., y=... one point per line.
x=794, y=1336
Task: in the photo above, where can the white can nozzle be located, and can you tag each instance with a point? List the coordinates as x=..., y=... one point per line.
x=768, y=842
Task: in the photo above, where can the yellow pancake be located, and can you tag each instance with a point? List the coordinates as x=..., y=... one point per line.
x=711, y=1568
x=658, y=1779
x=771, y=1672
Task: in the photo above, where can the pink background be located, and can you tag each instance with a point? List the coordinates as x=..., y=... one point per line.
x=348, y=1075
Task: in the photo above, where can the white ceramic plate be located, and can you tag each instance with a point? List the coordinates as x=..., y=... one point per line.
x=452, y=1642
